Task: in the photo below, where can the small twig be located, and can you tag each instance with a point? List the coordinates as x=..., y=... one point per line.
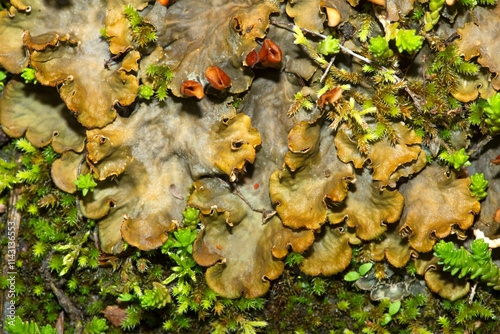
x=290, y=27
x=492, y=243
x=82, y=161
x=75, y=315
x=240, y=195
x=416, y=100
x=354, y=54
x=343, y=48
x=452, y=37
x=107, y=62
x=327, y=69
x=266, y=214
x=472, y=293
x=477, y=148
x=423, y=77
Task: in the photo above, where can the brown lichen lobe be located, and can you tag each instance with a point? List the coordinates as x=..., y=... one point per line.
x=481, y=38
x=67, y=51
x=312, y=178
x=389, y=161
x=142, y=205
x=368, y=208
x=235, y=268
x=21, y=109
x=202, y=34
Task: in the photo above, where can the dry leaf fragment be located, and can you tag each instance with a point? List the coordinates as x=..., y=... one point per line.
x=115, y=314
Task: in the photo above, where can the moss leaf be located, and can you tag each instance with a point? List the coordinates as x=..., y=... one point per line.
x=141, y=204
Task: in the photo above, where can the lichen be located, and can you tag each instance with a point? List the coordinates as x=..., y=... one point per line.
x=205, y=165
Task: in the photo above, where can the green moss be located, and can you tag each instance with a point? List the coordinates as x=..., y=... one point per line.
x=492, y=113
x=85, y=183
x=477, y=264
x=478, y=186
x=456, y=159
x=143, y=33
x=328, y=46
x=160, y=76
x=28, y=74
x=379, y=46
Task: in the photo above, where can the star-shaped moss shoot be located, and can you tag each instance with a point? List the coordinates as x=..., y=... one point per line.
x=85, y=183
x=478, y=186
